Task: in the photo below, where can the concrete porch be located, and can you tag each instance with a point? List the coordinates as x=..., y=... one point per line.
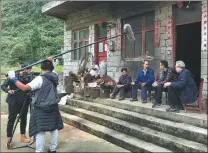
x=137, y=127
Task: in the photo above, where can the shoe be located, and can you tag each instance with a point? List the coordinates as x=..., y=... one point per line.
x=112, y=97
x=24, y=139
x=144, y=101
x=121, y=98
x=134, y=99
x=8, y=145
x=156, y=105
x=174, y=110
x=168, y=109
x=49, y=151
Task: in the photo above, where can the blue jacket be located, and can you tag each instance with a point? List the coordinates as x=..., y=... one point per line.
x=124, y=80
x=185, y=83
x=148, y=78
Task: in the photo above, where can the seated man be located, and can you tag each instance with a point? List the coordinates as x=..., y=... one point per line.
x=143, y=81
x=184, y=90
x=123, y=85
x=167, y=75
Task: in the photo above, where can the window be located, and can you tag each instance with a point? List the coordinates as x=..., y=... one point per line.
x=143, y=27
x=80, y=38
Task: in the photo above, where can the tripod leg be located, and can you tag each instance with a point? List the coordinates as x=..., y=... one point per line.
x=17, y=120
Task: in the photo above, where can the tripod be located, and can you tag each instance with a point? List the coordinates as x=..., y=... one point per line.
x=18, y=120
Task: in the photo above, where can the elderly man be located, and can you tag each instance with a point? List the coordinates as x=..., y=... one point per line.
x=184, y=90
x=144, y=81
x=168, y=75
x=123, y=85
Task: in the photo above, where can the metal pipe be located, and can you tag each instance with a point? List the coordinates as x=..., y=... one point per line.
x=60, y=54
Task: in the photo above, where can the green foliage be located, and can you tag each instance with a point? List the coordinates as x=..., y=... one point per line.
x=27, y=34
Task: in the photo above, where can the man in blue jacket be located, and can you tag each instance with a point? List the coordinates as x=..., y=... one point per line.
x=144, y=81
x=182, y=91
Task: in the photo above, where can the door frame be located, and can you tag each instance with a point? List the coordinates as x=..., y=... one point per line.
x=96, y=51
x=174, y=40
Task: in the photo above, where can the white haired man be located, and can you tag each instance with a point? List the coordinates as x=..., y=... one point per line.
x=184, y=90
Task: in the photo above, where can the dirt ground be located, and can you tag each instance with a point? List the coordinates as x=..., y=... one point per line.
x=70, y=139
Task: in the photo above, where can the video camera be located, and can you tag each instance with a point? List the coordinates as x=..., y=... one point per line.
x=27, y=77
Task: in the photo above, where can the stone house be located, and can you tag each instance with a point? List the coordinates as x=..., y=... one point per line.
x=174, y=30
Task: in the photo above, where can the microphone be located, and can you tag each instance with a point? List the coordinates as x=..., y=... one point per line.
x=129, y=33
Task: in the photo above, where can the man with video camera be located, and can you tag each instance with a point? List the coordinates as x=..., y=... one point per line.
x=15, y=100
x=45, y=115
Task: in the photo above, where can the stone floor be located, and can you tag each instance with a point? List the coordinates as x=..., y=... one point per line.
x=70, y=140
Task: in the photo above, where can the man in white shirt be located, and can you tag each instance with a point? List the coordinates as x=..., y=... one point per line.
x=45, y=115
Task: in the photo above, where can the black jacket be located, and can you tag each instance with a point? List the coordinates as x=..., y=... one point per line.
x=18, y=96
x=187, y=86
x=124, y=80
x=46, y=118
x=169, y=75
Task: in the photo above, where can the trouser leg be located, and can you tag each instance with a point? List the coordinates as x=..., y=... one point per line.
x=144, y=93
x=23, y=117
x=115, y=91
x=40, y=142
x=158, y=93
x=173, y=97
x=54, y=139
x=12, y=110
x=124, y=90
x=135, y=90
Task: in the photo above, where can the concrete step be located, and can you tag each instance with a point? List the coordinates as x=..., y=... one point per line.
x=182, y=130
x=158, y=138
x=191, y=117
x=120, y=139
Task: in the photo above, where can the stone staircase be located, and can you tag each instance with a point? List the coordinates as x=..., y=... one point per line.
x=137, y=127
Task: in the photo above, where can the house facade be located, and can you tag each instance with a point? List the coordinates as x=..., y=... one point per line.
x=174, y=30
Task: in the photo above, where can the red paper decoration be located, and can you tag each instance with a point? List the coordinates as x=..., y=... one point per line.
x=157, y=33
x=118, y=39
x=169, y=28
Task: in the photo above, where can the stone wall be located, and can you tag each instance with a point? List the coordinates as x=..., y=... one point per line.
x=163, y=11
x=204, y=52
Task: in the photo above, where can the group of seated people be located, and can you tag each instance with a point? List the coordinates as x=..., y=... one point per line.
x=178, y=83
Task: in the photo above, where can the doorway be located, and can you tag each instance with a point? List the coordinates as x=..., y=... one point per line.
x=101, y=47
x=188, y=48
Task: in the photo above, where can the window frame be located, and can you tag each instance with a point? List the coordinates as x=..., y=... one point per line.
x=141, y=31
x=78, y=41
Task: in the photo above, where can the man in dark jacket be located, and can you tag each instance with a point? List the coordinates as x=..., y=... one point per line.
x=45, y=115
x=144, y=81
x=15, y=100
x=184, y=90
x=123, y=85
x=167, y=75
